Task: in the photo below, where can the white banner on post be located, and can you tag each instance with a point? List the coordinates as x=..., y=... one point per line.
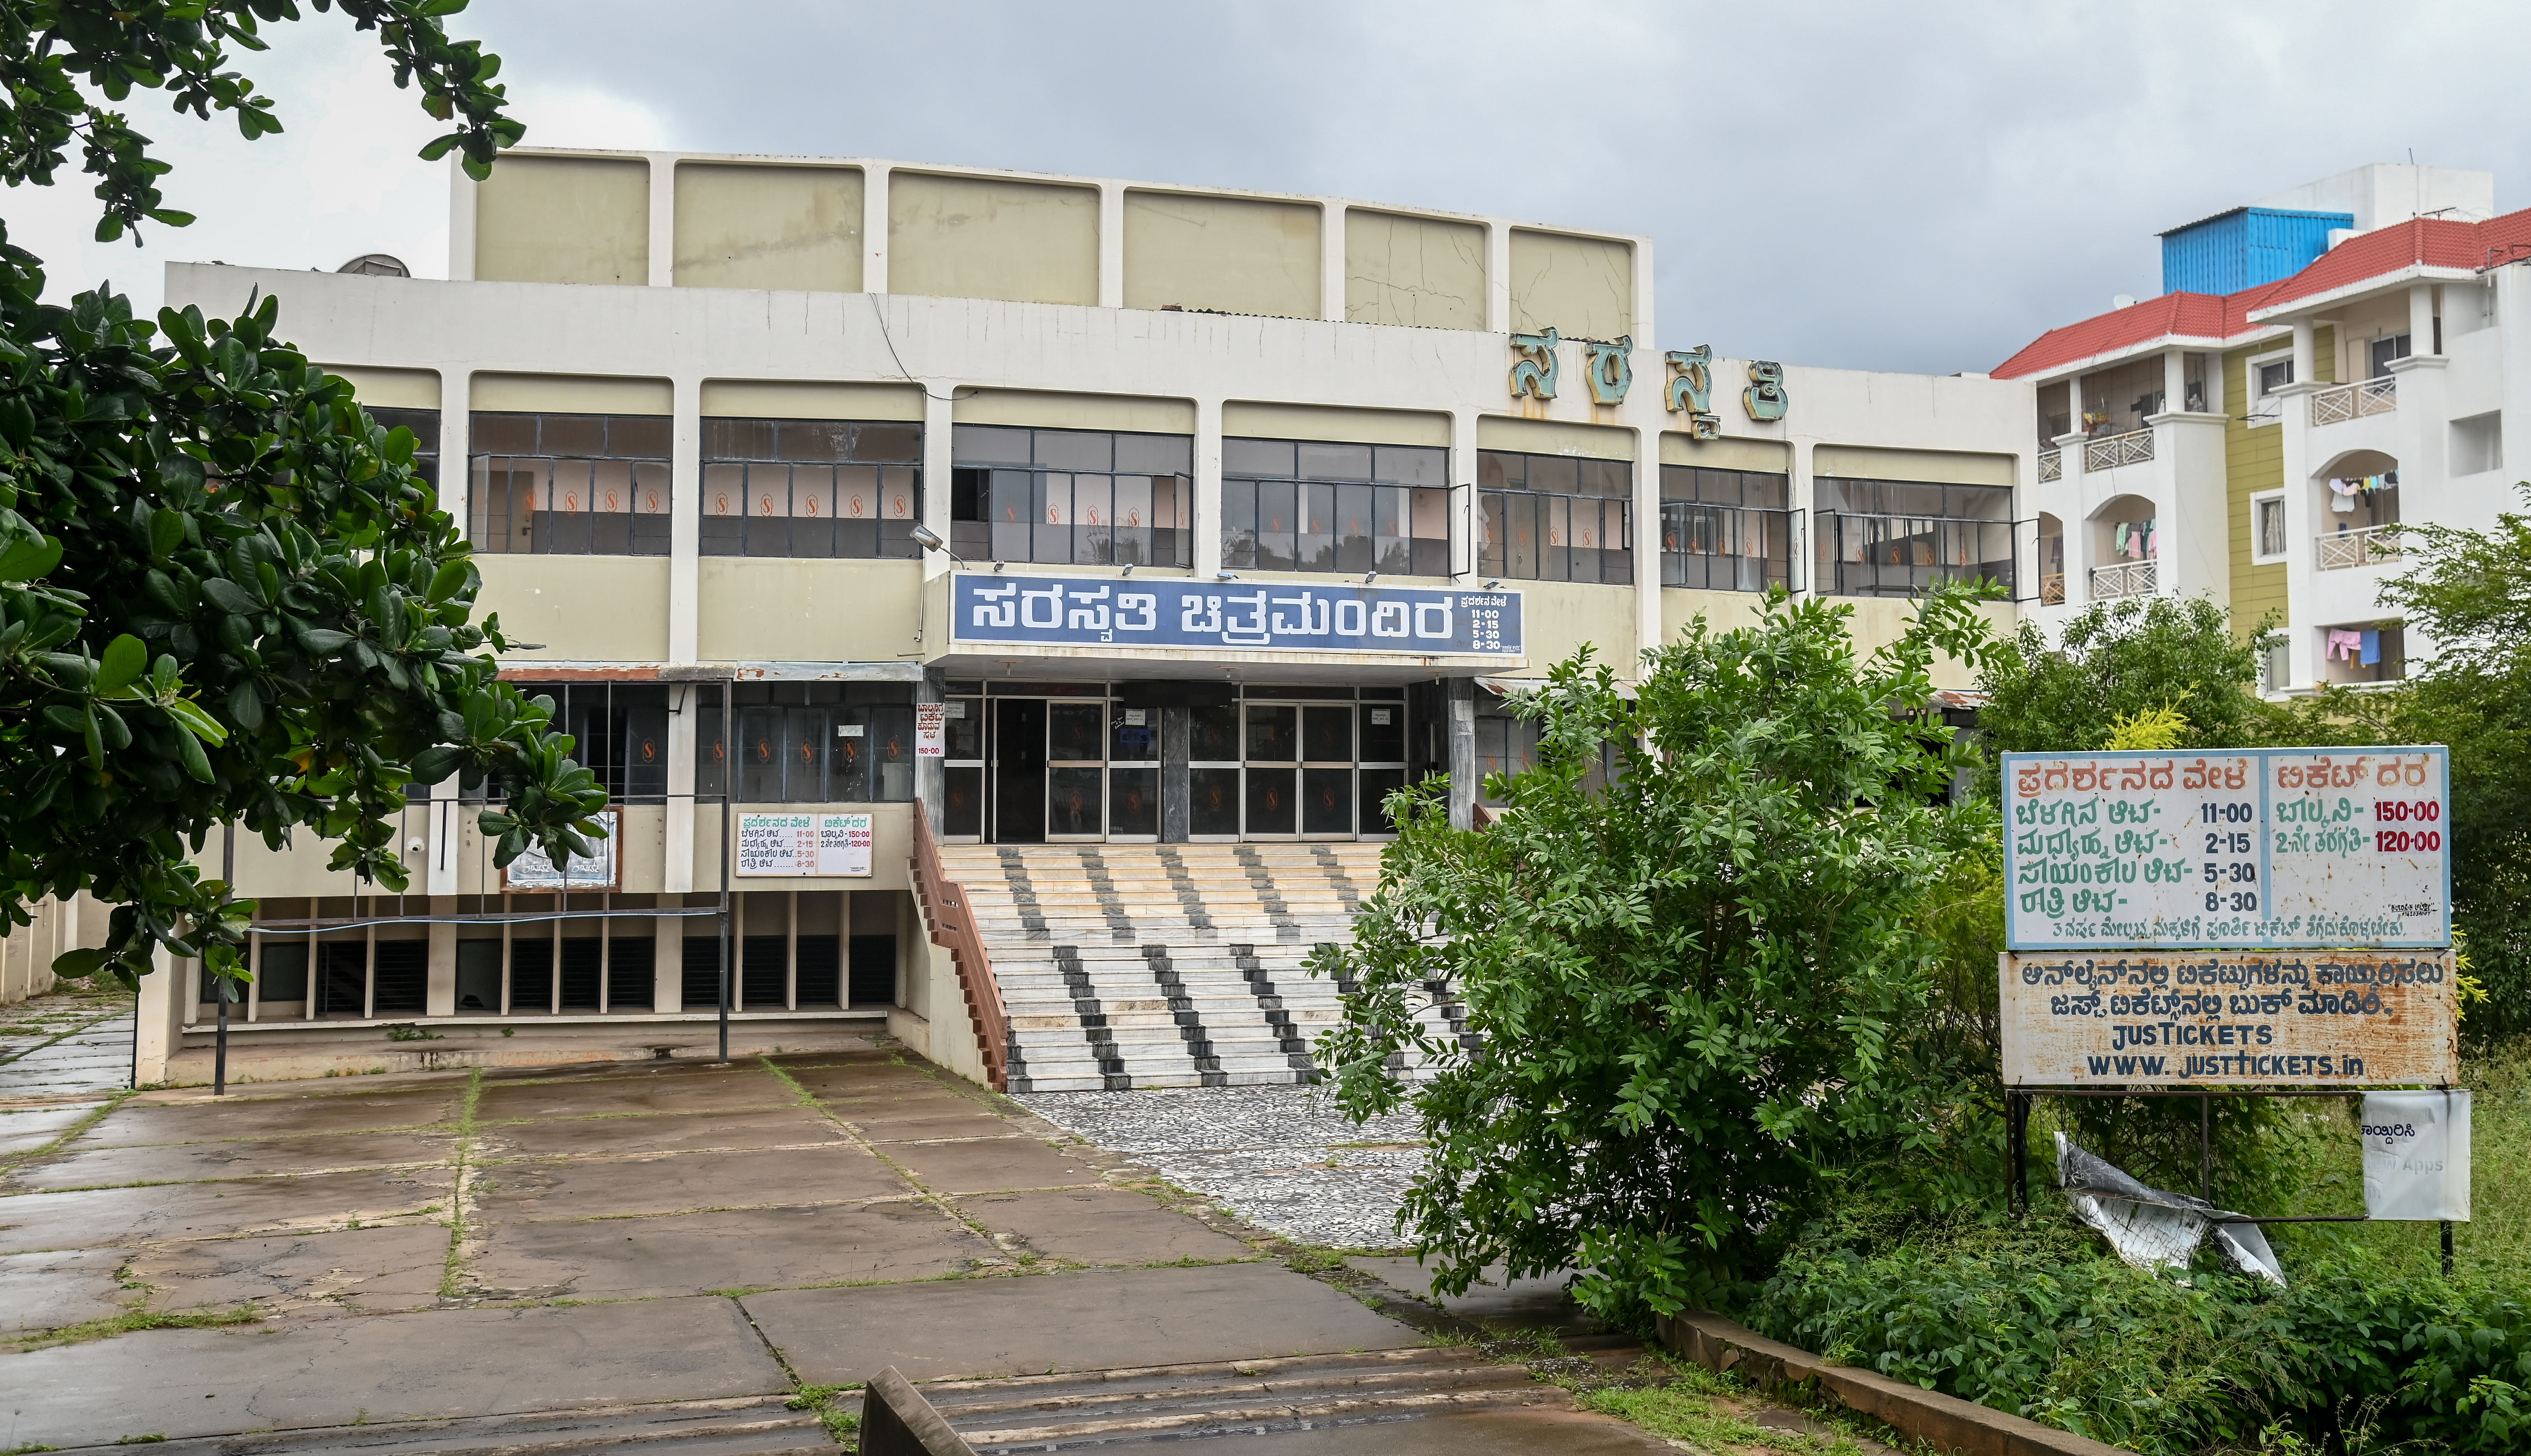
x=2416, y=1156
x=804, y=846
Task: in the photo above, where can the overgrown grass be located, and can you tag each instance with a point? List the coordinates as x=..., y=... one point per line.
x=131, y=1321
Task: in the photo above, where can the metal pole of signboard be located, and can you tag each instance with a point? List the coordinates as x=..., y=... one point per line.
x=220, y=983
x=2016, y=1122
x=728, y=791
x=2206, y=1145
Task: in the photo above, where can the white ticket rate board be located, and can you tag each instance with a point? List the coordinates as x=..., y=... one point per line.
x=804, y=846
x=2240, y=849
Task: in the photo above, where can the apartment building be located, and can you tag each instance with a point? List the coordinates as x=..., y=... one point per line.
x=2322, y=365
x=885, y=529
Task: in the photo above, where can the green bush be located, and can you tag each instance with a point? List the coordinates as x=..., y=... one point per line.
x=2360, y=1353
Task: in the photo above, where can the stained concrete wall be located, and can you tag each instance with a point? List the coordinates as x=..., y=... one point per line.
x=1423, y=273
x=993, y=238
x=1232, y=255
x=1583, y=288
x=564, y=219
x=768, y=227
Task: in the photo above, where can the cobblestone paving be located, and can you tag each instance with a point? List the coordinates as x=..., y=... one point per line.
x=1282, y=1157
x=64, y=1046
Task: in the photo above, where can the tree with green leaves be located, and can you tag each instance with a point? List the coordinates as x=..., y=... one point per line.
x=226, y=594
x=2467, y=595
x=1703, y=995
x=2123, y=662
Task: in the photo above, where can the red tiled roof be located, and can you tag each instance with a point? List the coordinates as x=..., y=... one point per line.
x=2430, y=241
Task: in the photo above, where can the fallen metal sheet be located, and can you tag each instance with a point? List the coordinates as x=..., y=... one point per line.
x=2153, y=1230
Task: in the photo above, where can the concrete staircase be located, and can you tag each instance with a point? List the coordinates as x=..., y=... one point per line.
x=1165, y=964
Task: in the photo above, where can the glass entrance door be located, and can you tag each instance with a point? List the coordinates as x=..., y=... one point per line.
x=1076, y=772
x=1326, y=770
x=1273, y=759
x=1019, y=770
x=1213, y=773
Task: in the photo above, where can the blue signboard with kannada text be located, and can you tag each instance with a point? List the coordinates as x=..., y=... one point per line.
x=1281, y=616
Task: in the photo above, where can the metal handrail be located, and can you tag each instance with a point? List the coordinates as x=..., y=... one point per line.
x=950, y=912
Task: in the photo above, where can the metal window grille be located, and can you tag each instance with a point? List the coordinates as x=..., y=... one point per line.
x=1085, y=498
x=812, y=487
x=1313, y=506
x=1553, y=518
x=569, y=484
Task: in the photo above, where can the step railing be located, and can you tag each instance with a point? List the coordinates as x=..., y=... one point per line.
x=945, y=909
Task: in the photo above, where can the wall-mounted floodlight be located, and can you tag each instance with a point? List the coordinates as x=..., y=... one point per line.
x=1129, y=568
x=1370, y=577
x=1225, y=575
x=1494, y=583
x=927, y=538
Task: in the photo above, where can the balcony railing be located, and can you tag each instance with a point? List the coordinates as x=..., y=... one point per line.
x=2126, y=579
x=2109, y=452
x=2363, y=547
x=2355, y=401
x=2052, y=466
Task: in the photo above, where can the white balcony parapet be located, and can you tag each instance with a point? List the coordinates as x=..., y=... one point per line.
x=2109, y=452
x=2363, y=547
x=2126, y=579
x=2052, y=466
x=2355, y=401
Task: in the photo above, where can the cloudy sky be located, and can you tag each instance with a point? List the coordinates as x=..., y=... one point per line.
x=1907, y=187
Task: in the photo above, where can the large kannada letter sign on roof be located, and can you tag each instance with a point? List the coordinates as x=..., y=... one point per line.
x=2247, y=849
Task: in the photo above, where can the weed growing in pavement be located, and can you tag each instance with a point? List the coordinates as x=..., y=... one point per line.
x=130, y=1320
x=843, y=1426
x=411, y=1033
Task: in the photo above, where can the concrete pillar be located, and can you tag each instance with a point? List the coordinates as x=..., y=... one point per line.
x=1177, y=730
x=2174, y=380
x=1332, y=261
x=929, y=785
x=1463, y=497
x=2306, y=339
x=1798, y=497
x=1498, y=279
x=1461, y=695
x=159, y=1029
x=663, y=220
x=1206, y=531
x=875, y=180
x=1111, y=245
x=460, y=219
x=2421, y=319
x=668, y=961
x=940, y=453
x=439, y=995
x=685, y=525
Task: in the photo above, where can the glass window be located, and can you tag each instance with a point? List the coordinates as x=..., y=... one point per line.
x=1315, y=506
x=569, y=484
x=812, y=487
x=2382, y=351
x=1554, y=518
x=1084, y=497
x=620, y=733
x=1903, y=537
x=2271, y=528
x=1725, y=531
x=811, y=742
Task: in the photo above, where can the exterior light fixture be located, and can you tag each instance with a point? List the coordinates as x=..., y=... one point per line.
x=1370, y=577
x=1225, y=575
x=1494, y=583
x=927, y=538
x=1129, y=568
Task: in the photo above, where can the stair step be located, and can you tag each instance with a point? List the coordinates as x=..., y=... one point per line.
x=752, y=1427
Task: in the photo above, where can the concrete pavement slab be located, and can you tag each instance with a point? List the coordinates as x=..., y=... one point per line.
x=47, y=1291
x=727, y=1248
x=443, y=1363
x=695, y=1092
x=135, y=1122
x=870, y=1080
x=98, y=1217
x=1076, y=1321
x=589, y=1188
x=373, y=1269
x=926, y=1124
x=24, y=1129
x=1101, y=1225
x=992, y=1165
x=192, y=1161
x=657, y=1131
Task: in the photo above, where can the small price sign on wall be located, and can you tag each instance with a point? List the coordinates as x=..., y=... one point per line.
x=804, y=846
x=930, y=729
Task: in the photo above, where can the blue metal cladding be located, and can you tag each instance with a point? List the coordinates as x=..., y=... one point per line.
x=2244, y=248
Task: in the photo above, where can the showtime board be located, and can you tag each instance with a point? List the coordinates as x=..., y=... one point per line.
x=807, y=846
x=2229, y=1019
x=2245, y=849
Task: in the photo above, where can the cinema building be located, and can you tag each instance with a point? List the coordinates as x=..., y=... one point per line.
x=1004, y=600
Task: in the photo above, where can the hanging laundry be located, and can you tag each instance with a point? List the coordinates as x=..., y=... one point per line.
x=2341, y=495
x=2122, y=538
x=2344, y=643
x=2371, y=648
x=2152, y=539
